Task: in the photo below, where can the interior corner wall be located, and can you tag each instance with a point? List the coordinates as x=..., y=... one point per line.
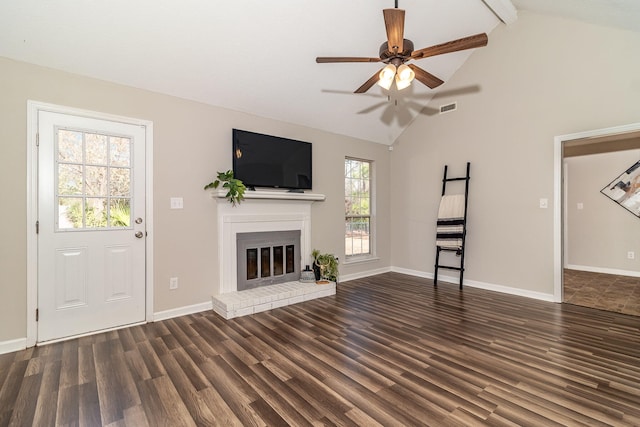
x=538, y=78
x=191, y=142
x=600, y=232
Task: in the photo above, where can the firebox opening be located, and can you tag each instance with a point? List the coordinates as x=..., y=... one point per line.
x=267, y=258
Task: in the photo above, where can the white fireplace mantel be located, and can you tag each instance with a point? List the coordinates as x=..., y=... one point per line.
x=272, y=195
x=260, y=211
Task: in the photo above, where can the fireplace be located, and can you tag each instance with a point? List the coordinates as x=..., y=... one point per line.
x=267, y=258
x=262, y=213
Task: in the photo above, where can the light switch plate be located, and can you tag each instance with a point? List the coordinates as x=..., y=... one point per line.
x=544, y=203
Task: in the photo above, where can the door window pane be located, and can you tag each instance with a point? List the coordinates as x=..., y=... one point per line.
x=120, y=213
x=70, y=211
x=120, y=151
x=69, y=179
x=93, y=180
x=95, y=212
x=119, y=182
x=96, y=146
x=70, y=146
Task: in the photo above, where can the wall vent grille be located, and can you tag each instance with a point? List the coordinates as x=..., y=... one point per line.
x=448, y=107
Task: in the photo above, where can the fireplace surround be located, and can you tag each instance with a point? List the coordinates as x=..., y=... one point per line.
x=263, y=211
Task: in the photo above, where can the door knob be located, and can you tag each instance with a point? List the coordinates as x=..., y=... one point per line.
x=139, y=234
x=138, y=220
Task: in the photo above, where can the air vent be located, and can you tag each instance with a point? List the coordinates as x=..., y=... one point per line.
x=449, y=107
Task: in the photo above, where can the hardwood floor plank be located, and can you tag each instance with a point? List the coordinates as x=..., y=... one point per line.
x=188, y=380
x=24, y=408
x=10, y=389
x=289, y=405
x=385, y=350
x=47, y=400
x=116, y=387
x=89, y=405
x=151, y=360
x=235, y=392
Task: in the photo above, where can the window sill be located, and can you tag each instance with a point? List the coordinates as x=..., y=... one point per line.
x=360, y=260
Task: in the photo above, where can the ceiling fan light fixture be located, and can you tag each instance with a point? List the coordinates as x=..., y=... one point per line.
x=404, y=77
x=386, y=76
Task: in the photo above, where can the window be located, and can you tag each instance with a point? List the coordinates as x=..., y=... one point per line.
x=93, y=173
x=357, y=205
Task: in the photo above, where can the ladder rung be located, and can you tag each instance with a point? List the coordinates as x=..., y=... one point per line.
x=450, y=268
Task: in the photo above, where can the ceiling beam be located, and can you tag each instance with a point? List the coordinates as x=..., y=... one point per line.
x=503, y=9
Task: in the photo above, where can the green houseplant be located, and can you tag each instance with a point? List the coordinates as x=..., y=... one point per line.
x=235, y=188
x=325, y=266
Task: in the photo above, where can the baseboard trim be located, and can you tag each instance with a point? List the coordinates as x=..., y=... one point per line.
x=364, y=274
x=182, y=311
x=603, y=270
x=13, y=345
x=480, y=285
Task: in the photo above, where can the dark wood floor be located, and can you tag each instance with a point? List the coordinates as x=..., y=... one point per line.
x=386, y=350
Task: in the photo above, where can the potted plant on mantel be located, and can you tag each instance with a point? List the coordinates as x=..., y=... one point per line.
x=235, y=187
x=325, y=267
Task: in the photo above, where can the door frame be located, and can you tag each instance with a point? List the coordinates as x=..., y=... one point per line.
x=33, y=108
x=558, y=196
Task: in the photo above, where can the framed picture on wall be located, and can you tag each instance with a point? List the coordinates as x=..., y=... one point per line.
x=625, y=189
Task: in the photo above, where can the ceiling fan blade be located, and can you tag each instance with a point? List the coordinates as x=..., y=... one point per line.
x=464, y=43
x=425, y=77
x=369, y=83
x=394, y=23
x=327, y=59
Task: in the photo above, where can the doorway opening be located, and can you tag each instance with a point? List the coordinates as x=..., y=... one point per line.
x=595, y=240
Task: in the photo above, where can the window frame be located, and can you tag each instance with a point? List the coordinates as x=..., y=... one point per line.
x=354, y=258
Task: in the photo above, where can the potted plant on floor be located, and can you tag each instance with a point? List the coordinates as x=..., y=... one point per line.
x=325, y=267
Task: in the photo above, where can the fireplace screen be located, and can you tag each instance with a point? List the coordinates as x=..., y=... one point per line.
x=266, y=258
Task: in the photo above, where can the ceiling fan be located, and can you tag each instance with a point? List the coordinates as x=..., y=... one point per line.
x=397, y=50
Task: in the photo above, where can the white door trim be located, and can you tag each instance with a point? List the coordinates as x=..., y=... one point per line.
x=558, y=195
x=33, y=107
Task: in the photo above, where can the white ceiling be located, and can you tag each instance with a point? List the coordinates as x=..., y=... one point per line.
x=259, y=56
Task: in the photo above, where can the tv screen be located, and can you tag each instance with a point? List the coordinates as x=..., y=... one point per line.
x=270, y=161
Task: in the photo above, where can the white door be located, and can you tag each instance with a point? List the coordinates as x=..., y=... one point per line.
x=91, y=216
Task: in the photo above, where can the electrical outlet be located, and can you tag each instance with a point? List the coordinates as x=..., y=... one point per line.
x=177, y=203
x=173, y=283
x=631, y=255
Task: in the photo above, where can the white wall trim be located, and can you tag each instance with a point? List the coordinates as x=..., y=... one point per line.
x=603, y=270
x=363, y=274
x=480, y=285
x=182, y=311
x=410, y=272
x=13, y=345
x=33, y=107
x=558, y=195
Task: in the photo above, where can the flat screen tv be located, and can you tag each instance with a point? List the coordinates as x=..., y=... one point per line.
x=270, y=161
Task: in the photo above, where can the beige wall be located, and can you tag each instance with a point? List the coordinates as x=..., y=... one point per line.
x=538, y=78
x=191, y=142
x=601, y=233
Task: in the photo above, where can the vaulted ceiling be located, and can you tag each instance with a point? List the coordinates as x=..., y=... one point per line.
x=259, y=56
